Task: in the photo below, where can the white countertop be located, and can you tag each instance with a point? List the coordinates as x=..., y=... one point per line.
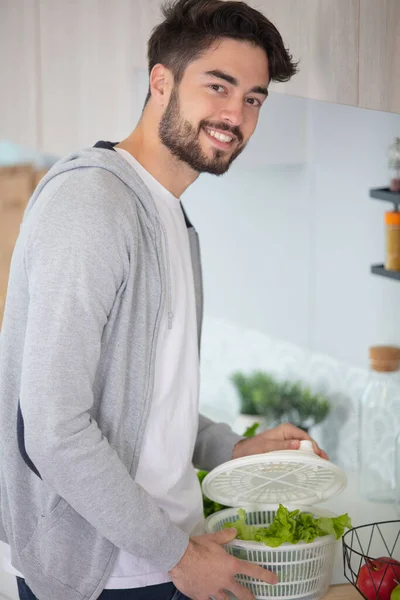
x=360, y=511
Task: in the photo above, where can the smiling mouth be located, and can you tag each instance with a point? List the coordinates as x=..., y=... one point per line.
x=224, y=139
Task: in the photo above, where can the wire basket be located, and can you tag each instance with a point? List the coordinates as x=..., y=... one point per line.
x=370, y=555
x=304, y=569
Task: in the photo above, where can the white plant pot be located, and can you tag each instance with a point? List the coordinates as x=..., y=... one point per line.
x=243, y=422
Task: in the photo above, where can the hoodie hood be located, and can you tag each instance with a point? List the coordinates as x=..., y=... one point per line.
x=103, y=156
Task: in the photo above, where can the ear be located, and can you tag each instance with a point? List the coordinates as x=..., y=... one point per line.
x=160, y=84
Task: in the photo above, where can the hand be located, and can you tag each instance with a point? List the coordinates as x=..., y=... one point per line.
x=207, y=570
x=284, y=437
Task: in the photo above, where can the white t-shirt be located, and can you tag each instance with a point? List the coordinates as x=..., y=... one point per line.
x=165, y=467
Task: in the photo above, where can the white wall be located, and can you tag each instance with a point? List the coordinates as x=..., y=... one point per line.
x=287, y=249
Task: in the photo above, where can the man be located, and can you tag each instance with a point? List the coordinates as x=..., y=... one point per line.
x=99, y=366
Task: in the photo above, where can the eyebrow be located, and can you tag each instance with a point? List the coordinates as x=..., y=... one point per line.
x=257, y=89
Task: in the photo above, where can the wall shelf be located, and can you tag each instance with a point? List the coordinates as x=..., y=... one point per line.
x=386, y=195
x=380, y=270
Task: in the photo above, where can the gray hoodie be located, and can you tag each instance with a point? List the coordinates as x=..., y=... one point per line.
x=88, y=278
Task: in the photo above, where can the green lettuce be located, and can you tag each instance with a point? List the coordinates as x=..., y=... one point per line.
x=244, y=531
x=290, y=527
x=335, y=526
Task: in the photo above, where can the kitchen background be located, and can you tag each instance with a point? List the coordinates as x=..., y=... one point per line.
x=289, y=234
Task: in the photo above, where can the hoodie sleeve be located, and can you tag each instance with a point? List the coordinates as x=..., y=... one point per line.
x=76, y=260
x=214, y=444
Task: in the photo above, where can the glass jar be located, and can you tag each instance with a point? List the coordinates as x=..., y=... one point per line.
x=392, y=257
x=379, y=426
x=394, y=165
x=397, y=466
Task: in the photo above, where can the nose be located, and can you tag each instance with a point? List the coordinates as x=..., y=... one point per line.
x=232, y=112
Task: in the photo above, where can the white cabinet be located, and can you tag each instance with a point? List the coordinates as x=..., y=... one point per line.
x=380, y=55
x=19, y=78
x=89, y=51
x=323, y=36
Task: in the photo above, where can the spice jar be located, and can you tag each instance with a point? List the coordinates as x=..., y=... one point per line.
x=392, y=260
x=394, y=165
x=379, y=426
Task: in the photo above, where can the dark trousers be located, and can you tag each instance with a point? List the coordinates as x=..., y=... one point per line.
x=164, y=591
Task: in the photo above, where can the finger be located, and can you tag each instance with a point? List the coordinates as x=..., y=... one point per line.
x=221, y=596
x=274, y=445
x=240, y=592
x=224, y=536
x=291, y=432
x=323, y=454
x=318, y=450
x=257, y=572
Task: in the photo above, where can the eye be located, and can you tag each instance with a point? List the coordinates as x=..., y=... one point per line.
x=217, y=88
x=253, y=102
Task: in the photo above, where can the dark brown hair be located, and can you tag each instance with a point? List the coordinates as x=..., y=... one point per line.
x=191, y=26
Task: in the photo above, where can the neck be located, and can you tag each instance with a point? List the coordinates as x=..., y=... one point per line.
x=145, y=146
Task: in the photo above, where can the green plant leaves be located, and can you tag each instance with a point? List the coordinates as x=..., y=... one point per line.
x=262, y=394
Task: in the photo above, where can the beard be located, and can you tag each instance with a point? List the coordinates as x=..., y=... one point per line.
x=182, y=139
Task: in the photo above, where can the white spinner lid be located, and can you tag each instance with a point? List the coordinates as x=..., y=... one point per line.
x=296, y=477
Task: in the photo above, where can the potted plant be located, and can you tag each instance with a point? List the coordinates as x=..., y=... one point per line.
x=278, y=402
x=299, y=406
x=253, y=390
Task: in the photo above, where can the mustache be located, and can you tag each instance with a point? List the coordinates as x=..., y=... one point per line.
x=223, y=127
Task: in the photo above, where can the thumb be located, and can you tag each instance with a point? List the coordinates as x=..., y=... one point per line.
x=224, y=536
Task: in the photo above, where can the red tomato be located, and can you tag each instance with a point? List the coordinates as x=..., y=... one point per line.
x=378, y=578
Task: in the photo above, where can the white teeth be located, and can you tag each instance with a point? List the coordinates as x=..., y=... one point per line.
x=219, y=136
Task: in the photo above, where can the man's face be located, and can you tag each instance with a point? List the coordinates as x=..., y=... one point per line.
x=214, y=111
